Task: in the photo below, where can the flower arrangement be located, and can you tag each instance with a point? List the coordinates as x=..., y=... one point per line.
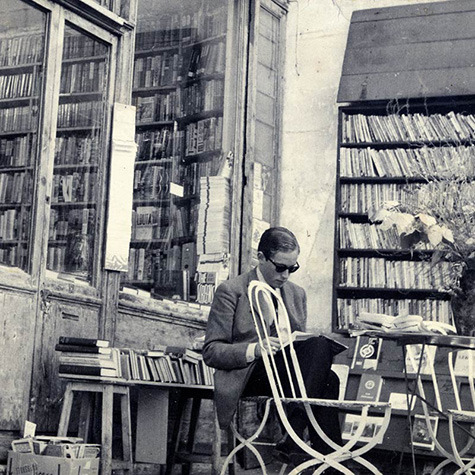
x=439, y=214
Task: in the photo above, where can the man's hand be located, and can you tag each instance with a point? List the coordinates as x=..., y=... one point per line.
x=273, y=346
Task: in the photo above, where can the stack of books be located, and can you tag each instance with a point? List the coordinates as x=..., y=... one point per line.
x=87, y=357
x=167, y=364
x=214, y=215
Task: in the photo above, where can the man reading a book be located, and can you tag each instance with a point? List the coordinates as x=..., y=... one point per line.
x=231, y=344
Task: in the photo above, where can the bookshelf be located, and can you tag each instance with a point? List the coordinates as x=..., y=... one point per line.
x=387, y=151
x=21, y=71
x=79, y=155
x=178, y=90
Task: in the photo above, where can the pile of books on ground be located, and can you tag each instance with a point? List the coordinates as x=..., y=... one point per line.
x=37, y=454
x=85, y=357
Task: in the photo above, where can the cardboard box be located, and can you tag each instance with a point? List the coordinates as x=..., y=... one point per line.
x=32, y=464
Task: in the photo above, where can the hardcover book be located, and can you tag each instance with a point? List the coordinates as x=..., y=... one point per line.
x=369, y=388
x=70, y=340
x=87, y=370
x=366, y=354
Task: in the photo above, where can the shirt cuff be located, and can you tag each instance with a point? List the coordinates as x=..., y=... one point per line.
x=250, y=352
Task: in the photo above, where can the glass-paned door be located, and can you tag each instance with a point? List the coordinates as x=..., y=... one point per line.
x=181, y=207
x=22, y=58
x=79, y=154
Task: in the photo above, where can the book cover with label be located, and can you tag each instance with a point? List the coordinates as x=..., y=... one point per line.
x=420, y=358
x=369, y=388
x=366, y=353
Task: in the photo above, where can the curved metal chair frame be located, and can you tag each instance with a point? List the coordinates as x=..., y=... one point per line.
x=454, y=416
x=260, y=294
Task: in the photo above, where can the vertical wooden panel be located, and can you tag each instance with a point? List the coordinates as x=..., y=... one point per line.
x=152, y=426
x=17, y=324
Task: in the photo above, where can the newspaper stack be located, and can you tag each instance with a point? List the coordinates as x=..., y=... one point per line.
x=214, y=215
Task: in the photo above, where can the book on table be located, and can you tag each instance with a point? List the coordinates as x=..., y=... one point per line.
x=82, y=349
x=67, y=369
x=369, y=388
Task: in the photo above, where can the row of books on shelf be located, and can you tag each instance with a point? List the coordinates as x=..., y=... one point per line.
x=201, y=97
x=402, y=162
x=150, y=222
x=73, y=256
x=383, y=273
x=360, y=197
x=408, y=127
x=156, y=108
x=76, y=150
x=12, y=224
x=81, y=114
x=205, y=60
x=21, y=50
x=368, y=236
x=157, y=70
x=204, y=136
x=15, y=187
x=167, y=364
x=14, y=119
x=181, y=28
x=64, y=222
x=17, y=85
x=87, y=76
x=161, y=144
x=152, y=182
x=74, y=187
x=115, y=6
x=79, y=46
x=15, y=151
x=184, y=221
x=146, y=265
x=203, y=24
x=189, y=176
x=349, y=309
x=14, y=256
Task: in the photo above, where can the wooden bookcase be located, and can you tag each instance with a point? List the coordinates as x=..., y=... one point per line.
x=178, y=89
x=385, y=150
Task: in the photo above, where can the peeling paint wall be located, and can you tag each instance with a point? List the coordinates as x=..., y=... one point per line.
x=316, y=41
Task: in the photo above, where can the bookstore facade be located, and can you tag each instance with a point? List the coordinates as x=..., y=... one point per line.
x=216, y=149
x=78, y=165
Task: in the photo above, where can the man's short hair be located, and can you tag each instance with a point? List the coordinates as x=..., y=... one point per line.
x=277, y=239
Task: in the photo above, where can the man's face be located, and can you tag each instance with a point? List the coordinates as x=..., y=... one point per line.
x=273, y=278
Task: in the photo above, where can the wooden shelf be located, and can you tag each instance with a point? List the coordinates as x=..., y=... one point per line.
x=382, y=292
x=408, y=144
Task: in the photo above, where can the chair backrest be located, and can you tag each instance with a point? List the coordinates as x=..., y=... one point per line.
x=262, y=298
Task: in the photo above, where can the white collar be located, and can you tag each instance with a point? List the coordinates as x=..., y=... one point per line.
x=261, y=278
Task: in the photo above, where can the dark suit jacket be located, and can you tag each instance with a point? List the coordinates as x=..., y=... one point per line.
x=230, y=330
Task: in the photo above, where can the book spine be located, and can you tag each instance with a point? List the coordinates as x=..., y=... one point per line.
x=76, y=369
x=80, y=349
x=70, y=340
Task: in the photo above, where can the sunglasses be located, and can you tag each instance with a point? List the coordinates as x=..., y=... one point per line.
x=281, y=268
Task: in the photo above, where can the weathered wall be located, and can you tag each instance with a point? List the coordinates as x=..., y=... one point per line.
x=316, y=41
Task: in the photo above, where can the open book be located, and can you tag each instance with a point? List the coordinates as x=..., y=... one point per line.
x=336, y=346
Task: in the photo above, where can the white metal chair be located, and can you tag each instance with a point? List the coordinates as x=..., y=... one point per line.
x=260, y=294
x=455, y=416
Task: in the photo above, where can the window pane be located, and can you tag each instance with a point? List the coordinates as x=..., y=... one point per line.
x=179, y=92
x=22, y=48
x=78, y=159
